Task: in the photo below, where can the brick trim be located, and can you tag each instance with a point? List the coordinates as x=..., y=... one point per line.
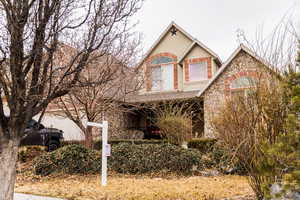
x=244, y=73
x=187, y=62
x=175, y=73
x=166, y=54
x=149, y=67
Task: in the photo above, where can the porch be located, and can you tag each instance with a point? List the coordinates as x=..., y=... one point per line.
x=144, y=112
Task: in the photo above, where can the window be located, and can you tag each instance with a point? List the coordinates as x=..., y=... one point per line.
x=243, y=86
x=167, y=77
x=198, y=71
x=243, y=82
x=161, y=60
x=162, y=77
x=156, y=78
x=162, y=72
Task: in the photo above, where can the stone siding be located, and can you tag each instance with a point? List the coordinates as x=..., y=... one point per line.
x=214, y=97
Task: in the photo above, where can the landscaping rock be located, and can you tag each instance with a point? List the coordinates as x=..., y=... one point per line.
x=210, y=173
x=277, y=189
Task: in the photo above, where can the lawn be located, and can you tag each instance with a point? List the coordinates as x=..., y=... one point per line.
x=126, y=187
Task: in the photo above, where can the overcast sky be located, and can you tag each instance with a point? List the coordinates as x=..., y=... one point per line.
x=214, y=22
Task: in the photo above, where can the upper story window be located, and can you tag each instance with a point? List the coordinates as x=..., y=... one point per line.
x=242, y=86
x=163, y=77
x=156, y=78
x=161, y=60
x=161, y=70
x=198, y=71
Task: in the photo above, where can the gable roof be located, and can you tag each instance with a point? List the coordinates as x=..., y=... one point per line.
x=226, y=64
x=195, y=41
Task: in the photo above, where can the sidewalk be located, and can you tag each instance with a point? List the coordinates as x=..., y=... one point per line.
x=18, y=196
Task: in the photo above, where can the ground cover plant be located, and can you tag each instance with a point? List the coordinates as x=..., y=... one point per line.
x=126, y=158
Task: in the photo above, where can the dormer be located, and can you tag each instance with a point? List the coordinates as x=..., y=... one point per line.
x=199, y=64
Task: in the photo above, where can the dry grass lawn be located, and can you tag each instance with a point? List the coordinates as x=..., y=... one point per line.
x=124, y=187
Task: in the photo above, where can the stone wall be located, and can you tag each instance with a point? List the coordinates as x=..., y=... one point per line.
x=215, y=96
x=116, y=124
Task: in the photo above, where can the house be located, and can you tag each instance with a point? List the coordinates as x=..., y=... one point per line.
x=180, y=67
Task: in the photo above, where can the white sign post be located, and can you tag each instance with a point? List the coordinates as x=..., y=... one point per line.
x=105, y=148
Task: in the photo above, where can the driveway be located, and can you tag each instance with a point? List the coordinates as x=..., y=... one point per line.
x=18, y=196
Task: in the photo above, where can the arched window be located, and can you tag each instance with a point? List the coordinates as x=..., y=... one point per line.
x=161, y=60
x=162, y=73
x=243, y=82
x=242, y=86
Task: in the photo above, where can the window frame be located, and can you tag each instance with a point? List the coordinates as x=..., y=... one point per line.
x=195, y=63
x=245, y=90
x=151, y=62
x=160, y=81
x=151, y=66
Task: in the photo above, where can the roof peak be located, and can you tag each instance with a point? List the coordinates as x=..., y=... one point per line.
x=189, y=36
x=232, y=56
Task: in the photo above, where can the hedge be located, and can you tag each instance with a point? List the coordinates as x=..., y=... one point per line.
x=28, y=153
x=126, y=158
x=71, y=142
x=98, y=144
x=70, y=159
x=204, y=145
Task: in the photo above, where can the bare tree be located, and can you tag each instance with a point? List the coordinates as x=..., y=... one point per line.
x=278, y=48
x=93, y=101
x=33, y=73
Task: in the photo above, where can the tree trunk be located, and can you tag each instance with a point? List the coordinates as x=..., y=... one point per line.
x=89, y=137
x=8, y=160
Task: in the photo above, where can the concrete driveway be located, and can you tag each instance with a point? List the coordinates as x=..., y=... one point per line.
x=18, y=196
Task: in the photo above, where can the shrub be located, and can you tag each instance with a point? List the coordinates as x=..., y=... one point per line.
x=177, y=129
x=224, y=162
x=98, y=143
x=204, y=145
x=70, y=159
x=215, y=156
x=128, y=158
x=243, y=125
x=70, y=142
x=28, y=153
x=174, y=119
